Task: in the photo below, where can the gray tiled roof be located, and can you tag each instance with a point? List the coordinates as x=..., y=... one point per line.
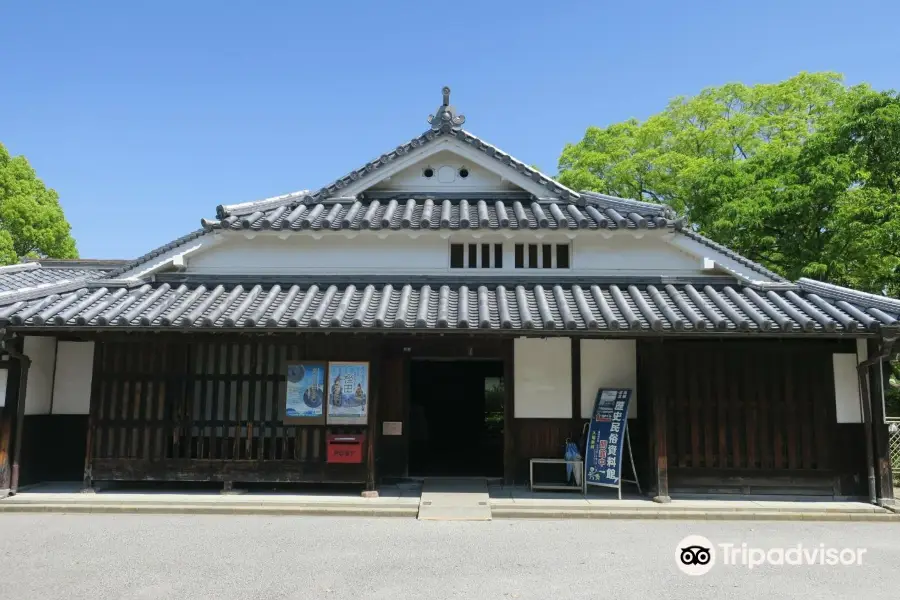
x=418, y=211
x=659, y=307
x=23, y=279
x=14, y=278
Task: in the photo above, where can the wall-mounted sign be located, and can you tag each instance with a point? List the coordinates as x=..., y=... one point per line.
x=348, y=393
x=392, y=428
x=305, y=393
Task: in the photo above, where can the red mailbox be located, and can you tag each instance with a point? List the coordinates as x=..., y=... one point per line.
x=345, y=447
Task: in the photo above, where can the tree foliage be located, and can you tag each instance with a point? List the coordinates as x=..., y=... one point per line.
x=32, y=222
x=800, y=175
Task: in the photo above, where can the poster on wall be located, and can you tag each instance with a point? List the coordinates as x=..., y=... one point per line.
x=305, y=393
x=606, y=436
x=348, y=393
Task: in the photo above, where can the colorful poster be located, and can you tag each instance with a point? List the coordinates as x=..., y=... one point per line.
x=348, y=393
x=305, y=397
x=606, y=436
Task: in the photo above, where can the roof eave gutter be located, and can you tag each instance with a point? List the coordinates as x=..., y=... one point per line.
x=887, y=348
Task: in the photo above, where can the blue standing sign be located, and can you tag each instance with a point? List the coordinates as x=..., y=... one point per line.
x=606, y=437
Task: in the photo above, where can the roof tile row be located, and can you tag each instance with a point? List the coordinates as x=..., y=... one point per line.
x=429, y=213
x=660, y=308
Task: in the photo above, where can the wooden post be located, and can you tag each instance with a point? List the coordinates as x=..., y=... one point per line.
x=879, y=375
x=374, y=393
x=576, y=382
x=6, y=428
x=24, y=364
x=660, y=426
x=509, y=446
x=93, y=406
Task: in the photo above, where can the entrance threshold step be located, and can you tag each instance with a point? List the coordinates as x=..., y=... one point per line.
x=455, y=500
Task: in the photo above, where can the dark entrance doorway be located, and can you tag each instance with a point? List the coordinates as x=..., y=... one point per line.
x=456, y=418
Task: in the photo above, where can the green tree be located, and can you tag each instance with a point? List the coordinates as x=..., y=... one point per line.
x=800, y=175
x=32, y=222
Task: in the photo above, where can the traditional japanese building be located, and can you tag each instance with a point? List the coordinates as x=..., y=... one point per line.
x=442, y=309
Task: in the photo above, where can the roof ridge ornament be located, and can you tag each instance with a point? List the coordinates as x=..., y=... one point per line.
x=445, y=118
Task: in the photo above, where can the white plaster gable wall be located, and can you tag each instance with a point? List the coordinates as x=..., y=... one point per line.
x=174, y=257
x=693, y=247
x=39, y=390
x=627, y=255
x=446, y=166
x=457, y=147
x=371, y=252
x=542, y=375
x=608, y=364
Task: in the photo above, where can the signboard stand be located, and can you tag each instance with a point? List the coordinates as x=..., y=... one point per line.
x=607, y=438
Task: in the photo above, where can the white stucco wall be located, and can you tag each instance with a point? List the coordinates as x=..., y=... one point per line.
x=331, y=254
x=371, y=252
x=626, y=255
x=39, y=391
x=608, y=364
x=74, y=370
x=411, y=178
x=846, y=384
x=542, y=378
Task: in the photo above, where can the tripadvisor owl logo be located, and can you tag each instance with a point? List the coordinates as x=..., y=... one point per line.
x=695, y=555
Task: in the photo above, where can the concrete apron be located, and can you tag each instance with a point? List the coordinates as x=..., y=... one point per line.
x=455, y=500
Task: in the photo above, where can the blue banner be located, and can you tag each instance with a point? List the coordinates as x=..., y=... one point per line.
x=606, y=437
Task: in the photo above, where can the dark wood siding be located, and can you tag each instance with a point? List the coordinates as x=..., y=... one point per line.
x=753, y=416
x=210, y=407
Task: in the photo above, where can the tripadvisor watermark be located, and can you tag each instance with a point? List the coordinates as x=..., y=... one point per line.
x=696, y=555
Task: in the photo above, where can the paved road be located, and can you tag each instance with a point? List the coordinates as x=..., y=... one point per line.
x=196, y=557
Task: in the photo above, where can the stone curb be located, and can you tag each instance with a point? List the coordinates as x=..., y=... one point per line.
x=220, y=505
x=692, y=515
x=681, y=509
x=413, y=510
x=184, y=509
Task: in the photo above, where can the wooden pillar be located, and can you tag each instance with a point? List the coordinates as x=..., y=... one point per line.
x=576, y=384
x=94, y=405
x=879, y=375
x=6, y=429
x=24, y=364
x=509, y=432
x=658, y=391
x=374, y=394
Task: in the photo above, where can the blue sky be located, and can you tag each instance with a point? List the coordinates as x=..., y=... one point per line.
x=146, y=115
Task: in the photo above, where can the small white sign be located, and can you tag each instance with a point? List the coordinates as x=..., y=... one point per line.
x=392, y=428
